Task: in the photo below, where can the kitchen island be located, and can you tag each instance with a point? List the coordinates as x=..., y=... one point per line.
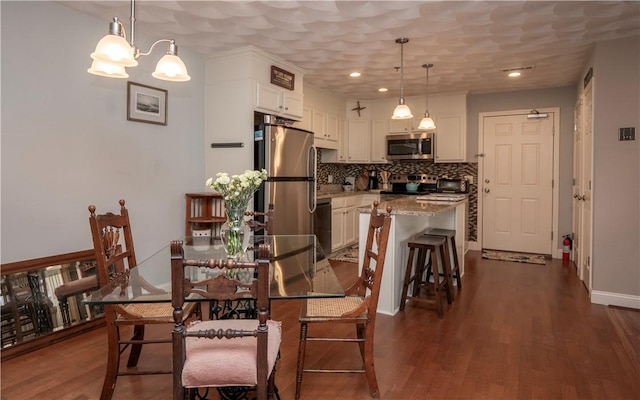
x=409, y=217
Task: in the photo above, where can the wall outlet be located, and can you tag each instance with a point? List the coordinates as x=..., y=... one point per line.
x=330, y=179
x=469, y=178
x=627, y=133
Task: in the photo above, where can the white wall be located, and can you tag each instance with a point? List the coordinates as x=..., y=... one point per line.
x=66, y=142
x=616, y=175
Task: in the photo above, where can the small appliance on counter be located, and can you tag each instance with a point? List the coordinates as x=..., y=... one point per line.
x=373, y=179
x=447, y=185
x=384, y=177
x=425, y=184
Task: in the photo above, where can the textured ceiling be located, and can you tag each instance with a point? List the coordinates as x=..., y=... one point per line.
x=469, y=42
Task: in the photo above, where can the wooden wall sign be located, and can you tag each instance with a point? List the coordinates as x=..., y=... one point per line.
x=282, y=78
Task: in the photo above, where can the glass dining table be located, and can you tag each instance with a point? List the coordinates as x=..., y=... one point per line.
x=298, y=269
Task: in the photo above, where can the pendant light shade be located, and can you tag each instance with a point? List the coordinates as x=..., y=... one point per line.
x=427, y=122
x=402, y=111
x=114, y=49
x=170, y=67
x=107, y=70
x=113, y=53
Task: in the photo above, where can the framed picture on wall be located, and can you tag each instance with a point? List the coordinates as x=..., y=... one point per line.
x=146, y=104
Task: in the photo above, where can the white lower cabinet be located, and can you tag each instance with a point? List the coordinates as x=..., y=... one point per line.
x=344, y=221
x=337, y=227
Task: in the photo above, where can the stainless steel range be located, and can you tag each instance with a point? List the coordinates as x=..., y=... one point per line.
x=426, y=184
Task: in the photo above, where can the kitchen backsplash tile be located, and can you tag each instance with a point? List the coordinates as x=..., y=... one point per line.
x=442, y=170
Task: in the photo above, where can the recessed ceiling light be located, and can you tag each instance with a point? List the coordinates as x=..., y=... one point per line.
x=383, y=89
x=517, y=71
x=355, y=74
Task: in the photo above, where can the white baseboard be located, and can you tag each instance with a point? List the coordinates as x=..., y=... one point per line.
x=473, y=246
x=615, y=299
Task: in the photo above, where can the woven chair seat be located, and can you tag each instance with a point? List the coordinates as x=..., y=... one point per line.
x=154, y=311
x=318, y=308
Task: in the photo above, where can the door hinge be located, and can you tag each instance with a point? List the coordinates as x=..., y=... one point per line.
x=588, y=261
x=551, y=235
x=552, y=183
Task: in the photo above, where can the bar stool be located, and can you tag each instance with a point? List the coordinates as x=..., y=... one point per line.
x=435, y=245
x=451, y=244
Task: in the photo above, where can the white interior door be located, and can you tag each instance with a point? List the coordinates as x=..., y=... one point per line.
x=518, y=183
x=587, y=143
x=577, y=186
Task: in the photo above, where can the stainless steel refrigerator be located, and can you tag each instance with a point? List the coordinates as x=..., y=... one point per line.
x=290, y=159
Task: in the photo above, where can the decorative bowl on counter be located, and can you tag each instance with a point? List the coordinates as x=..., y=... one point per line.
x=347, y=188
x=412, y=187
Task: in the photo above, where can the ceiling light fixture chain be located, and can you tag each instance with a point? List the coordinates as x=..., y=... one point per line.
x=427, y=122
x=113, y=53
x=402, y=111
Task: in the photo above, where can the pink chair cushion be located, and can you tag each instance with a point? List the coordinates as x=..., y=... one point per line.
x=227, y=362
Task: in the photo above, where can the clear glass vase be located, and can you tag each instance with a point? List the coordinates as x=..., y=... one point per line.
x=235, y=233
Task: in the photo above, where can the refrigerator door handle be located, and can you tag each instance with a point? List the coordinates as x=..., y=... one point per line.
x=313, y=199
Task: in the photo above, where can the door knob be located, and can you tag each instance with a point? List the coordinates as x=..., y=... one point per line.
x=487, y=190
x=486, y=181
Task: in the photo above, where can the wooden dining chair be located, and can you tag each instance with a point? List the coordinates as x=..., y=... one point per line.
x=225, y=352
x=358, y=307
x=261, y=222
x=115, y=256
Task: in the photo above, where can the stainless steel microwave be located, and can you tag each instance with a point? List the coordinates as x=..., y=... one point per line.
x=413, y=146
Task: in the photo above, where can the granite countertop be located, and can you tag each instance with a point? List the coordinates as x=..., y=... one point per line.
x=330, y=194
x=410, y=206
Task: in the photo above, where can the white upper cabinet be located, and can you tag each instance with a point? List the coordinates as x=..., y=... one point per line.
x=379, y=129
x=332, y=127
x=273, y=100
x=292, y=104
x=449, y=112
x=343, y=144
x=325, y=129
x=402, y=125
x=327, y=111
x=358, y=141
x=450, y=138
x=306, y=122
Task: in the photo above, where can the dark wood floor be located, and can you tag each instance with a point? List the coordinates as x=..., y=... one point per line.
x=517, y=331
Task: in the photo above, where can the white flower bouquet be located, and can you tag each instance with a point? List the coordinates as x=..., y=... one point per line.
x=236, y=191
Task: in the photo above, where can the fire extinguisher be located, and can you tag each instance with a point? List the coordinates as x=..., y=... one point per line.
x=566, y=248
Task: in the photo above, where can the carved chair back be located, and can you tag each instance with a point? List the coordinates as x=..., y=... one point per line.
x=191, y=279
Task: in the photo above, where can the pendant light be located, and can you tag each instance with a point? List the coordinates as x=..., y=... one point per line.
x=427, y=122
x=402, y=111
x=113, y=53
